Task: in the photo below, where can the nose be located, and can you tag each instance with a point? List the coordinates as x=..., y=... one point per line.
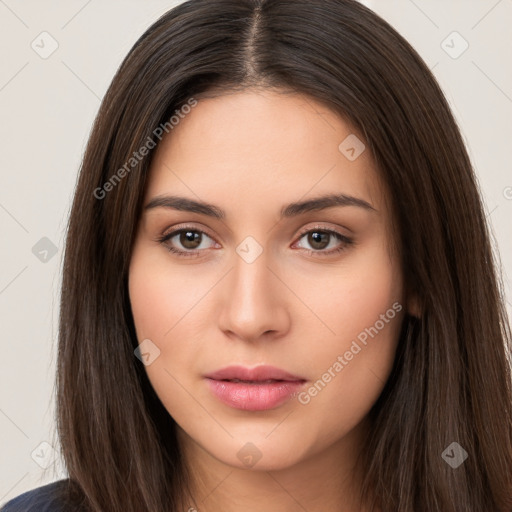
x=254, y=302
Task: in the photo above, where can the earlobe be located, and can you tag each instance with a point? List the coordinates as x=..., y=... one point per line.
x=413, y=306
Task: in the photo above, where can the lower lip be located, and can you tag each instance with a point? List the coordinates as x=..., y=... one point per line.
x=254, y=397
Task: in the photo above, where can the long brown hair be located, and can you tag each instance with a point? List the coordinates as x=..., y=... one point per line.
x=451, y=380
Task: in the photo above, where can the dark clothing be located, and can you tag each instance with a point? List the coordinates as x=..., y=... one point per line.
x=47, y=498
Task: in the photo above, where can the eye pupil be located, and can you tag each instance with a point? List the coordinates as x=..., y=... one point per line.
x=315, y=238
x=189, y=238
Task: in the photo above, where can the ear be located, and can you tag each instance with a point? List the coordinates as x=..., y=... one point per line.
x=413, y=305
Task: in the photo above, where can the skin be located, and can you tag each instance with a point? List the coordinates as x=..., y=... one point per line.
x=250, y=154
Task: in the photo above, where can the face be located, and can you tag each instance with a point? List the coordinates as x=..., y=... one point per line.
x=271, y=329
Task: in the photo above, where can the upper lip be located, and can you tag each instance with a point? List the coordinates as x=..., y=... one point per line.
x=252, y=374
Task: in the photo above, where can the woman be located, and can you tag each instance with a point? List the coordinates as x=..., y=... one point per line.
x=279, y=291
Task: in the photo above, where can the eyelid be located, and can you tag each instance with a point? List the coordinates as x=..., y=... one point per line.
x=320, y=227
x=189, y=226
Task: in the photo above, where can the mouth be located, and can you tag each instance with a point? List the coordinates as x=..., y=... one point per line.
x=254, y=389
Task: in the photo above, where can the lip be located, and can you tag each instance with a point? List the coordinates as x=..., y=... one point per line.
x=262, y=388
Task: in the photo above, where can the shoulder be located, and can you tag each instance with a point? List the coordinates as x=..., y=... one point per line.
x=47, y=498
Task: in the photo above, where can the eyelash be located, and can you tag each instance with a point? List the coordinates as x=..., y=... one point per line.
x=346, y=242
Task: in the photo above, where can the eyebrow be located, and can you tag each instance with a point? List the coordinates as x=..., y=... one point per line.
x=290, y=210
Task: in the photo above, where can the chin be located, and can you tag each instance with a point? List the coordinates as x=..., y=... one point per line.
x=257, y=453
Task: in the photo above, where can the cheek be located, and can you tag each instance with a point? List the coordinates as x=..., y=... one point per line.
x=348, y=296
x=160, y=294
x=161, y=302
x=361, y=304
x=169, y=306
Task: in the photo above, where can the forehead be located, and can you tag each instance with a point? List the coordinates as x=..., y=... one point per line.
x=258, y=148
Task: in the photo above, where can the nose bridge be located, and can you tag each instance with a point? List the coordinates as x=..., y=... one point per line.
x=251, y=279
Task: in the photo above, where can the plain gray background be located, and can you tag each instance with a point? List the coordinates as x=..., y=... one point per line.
x=48, y=103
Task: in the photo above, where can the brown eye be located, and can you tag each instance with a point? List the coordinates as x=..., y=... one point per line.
x=186, y=241
x=190, y=239
x=318, y=239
